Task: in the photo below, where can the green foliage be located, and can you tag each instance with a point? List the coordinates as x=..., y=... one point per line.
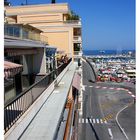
x=72, y=16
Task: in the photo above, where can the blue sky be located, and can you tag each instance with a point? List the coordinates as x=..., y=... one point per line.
x=106, y=24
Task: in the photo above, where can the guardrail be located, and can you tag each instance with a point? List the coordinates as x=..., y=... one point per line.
x=18, y=106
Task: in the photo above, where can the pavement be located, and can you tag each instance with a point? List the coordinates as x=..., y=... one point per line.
x=101, y=108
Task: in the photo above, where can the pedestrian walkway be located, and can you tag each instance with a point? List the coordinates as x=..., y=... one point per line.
x=93, y=120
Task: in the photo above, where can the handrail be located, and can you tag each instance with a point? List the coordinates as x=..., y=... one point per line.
x=15, y=108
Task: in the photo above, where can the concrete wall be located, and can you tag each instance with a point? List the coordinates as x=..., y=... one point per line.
x=35, y=63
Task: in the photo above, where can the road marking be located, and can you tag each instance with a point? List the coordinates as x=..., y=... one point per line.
x=104, y=87
x=97, y=87
x=86, y=120
x=110, y=133
x=111, y=88
x=129, y=92
x=90, y=120
x=122, y=130
x=97, y=120
x=90, y=86
x=133, y=95
x=101, y=120
x=94, y=121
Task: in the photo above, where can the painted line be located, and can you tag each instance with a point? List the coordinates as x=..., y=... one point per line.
x=130, y=92
x=90, y=120
x=105, y=122
x=101, y=120
x=122, y=130
x=86, y=120
x=104, y=87
x=94, y=121
x=110, y=133
x=97, y=87
x=90, y=86
x=97, y=120
x=133, y=95
x=82, y=120
x=111, y=88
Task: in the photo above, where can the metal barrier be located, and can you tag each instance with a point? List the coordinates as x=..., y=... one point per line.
x=16, y=108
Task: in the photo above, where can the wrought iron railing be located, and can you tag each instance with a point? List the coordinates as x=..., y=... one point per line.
x=18, y=106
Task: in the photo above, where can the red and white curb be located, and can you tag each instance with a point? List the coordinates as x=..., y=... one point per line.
x=118, y=89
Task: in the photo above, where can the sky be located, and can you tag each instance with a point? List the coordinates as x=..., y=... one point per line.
x=106, y=24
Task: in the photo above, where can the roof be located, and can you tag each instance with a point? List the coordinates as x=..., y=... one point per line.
x=33, y=11
x=19, y=43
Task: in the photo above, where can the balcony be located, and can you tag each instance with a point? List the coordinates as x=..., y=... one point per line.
x=78, y=53
x=14, y=109
x=77, y=39
x=24, y=32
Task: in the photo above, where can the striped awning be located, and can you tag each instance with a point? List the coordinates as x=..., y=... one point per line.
x=11, y=69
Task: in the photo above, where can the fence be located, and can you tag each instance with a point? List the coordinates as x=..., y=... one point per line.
x=16, y=108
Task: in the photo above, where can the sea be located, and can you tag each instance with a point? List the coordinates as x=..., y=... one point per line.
x=107, y=52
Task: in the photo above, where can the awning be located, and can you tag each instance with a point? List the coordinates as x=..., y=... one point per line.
x=76, y=81
x=16, y=52
x=11, y=69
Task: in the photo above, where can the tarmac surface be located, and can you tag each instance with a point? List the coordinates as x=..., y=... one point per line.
x=108, y=109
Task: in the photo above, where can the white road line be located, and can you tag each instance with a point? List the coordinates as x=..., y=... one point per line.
x=129, y=92
x=101, y=120
x=133, y=95
x=111, y=88
x=105, y=122
x=86, y=120
x=97, y=120
x=90, y=86
x=90, y=120
x=82, y=120
x=119, y=123
x=104, y=87
x=94, y=121
x=110, y=133
x=97, y=87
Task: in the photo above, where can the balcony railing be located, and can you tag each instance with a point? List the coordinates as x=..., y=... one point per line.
x=24, y=33
x=77, y=22
x=18, y=106
x=78, y=53
x=77, y=38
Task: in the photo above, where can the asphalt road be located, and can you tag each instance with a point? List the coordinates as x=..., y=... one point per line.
x=101, y=105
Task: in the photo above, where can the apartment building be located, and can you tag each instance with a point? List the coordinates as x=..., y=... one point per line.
x=58, y=23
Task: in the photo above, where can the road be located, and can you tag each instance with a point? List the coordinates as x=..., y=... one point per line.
x=108, y=110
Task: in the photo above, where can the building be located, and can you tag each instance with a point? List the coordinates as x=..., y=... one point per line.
x=61, y=26
x=24, y=45
x=51, y=102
